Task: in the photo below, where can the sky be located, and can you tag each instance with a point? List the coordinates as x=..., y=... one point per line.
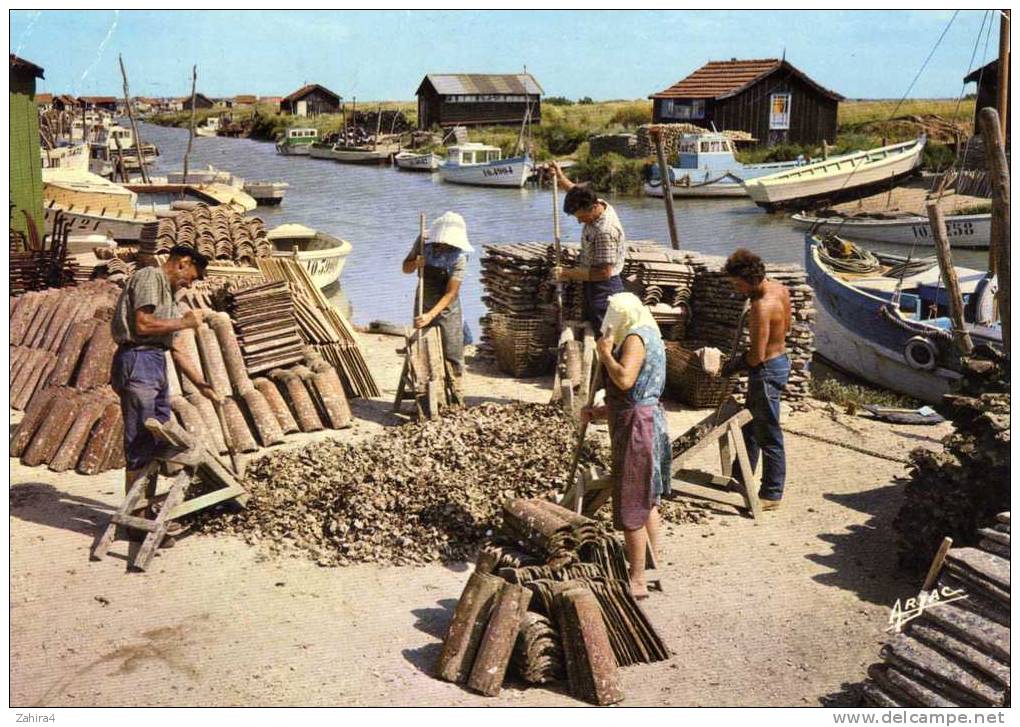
x=376, y=55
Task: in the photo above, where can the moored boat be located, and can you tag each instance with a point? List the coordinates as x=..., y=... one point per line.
x=380, y=154
x=266, y=193
x=482, y=165
x=845, y=177
x=964, y=231
x=297, y=142
x=707, y=167
x=322, y=255
x=210, y=127
x=888, y=323
x=413, y=162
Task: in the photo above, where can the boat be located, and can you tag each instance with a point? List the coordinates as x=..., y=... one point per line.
x=91, y=205
x=845, y=177
x=322, y=255
x=72, y=156
x=380, y=154
x=888, y=323
x=483, y=165
x=707, y=167
x=296, y=142
x=266, y=193
x=965, y=231
x=210, y=127
x=413, y=162
x=111, y=142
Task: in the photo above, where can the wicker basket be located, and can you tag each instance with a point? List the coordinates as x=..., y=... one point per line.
x=523, y=346
x=689, y=383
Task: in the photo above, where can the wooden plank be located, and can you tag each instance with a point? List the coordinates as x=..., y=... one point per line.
x=738, y=420
x=748, y=482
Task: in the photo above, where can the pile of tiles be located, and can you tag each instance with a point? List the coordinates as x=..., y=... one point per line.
x=220, y=233
x=957, y=653
x=716, y=310
x=61, y=358
x=39, y=269
x=671, y=134
x=520, y=330
x=952, y=491
x=549, y=597
x=267, y=329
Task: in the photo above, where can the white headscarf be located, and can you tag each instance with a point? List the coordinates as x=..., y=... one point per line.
x=625, y=313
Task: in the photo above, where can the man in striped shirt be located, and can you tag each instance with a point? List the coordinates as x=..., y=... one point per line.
x=603, y=247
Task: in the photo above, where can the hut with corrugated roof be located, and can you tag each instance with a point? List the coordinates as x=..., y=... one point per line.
x=768, y=98
x=478, y=99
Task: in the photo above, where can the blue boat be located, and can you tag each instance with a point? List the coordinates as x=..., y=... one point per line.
x=707, y=168
x=890, y=325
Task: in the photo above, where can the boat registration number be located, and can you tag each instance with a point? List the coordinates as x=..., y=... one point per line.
x=498, y=171
x=953, y=229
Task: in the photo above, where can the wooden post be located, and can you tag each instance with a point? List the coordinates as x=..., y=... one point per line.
x=191, y=126
x=825, y=149
x=378, y=125
x=1003, y=88
x=998, y=173
x=556, y=245
x=134, y=126
x=421, y=270
x=938, y=231
x=667, y=188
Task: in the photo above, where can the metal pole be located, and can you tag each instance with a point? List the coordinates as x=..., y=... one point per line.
x=131, y=118
x=998, y=172
x=942, y=251
x=667, y=188
x=191, y=127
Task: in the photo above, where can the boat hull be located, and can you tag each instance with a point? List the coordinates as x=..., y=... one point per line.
x=847, y=177
x=698, y=190
x=418, y=162
x=294, y=150
x=200, y=131
x=504, y=173
x=965, y=231
x=127, y=230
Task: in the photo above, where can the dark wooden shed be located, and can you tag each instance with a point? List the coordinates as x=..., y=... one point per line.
x=311, y=100
x=100, y=103
x=987, y=80
x=768, y=98
x=478, y=99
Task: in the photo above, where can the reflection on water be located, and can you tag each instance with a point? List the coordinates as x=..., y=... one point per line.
x=376, y=209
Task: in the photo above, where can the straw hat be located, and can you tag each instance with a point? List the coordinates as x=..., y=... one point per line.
x=450, y=229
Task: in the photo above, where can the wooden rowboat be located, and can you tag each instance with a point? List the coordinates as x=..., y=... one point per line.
x=418, y=162
x=965, y=231
x=322, y=255
x=845, y=177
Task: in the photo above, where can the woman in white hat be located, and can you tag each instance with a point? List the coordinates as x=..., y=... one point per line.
x=634, y=358
x=444, y=266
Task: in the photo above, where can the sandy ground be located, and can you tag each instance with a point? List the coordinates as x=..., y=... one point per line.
x=786, y=611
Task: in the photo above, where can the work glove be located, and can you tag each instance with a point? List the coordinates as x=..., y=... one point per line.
x=734, y=366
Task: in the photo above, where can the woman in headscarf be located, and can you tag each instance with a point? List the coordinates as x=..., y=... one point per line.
x=634, y=360
x=444, y=266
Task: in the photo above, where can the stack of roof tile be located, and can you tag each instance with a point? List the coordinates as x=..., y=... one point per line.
x=219, y=232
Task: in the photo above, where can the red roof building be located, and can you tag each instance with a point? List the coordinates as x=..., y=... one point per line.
x=769, y=98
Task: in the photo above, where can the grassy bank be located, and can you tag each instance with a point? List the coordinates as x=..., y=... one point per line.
x=567, y=125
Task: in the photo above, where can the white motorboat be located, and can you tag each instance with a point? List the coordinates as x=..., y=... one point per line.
x=483, y=165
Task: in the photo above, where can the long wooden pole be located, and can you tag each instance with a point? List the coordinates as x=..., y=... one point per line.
x=667, y=188
x=421, y=268
x=131, y=118
x=1003, y=87
x=942, y=251
x=557, y=247
x=998, y=172
x=191, y=126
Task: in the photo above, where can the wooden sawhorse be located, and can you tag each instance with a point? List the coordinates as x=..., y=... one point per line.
x=194, y=458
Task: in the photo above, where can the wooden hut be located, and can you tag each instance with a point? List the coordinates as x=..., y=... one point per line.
x=987, y=80
x=477, y=99
x=99, y=103
x=311, y=100
x=768, y=98
x=65, y=102
x=25, y=169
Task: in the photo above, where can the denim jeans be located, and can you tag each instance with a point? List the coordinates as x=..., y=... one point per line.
x=139, y=378
x=763, y=434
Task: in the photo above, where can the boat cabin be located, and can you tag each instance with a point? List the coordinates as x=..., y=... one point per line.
x=302, y=136
x=473, y=153
x=705, y=150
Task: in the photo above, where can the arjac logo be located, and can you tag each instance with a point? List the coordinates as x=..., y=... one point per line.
x=907, y=611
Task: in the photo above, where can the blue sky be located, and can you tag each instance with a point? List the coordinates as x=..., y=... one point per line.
x=383, y=55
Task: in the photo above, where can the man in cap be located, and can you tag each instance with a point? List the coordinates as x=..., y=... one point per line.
x=443, y=267
x=603, y=247
x=145, y=320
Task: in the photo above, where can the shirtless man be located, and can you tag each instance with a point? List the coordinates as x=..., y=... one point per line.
x=769, y=366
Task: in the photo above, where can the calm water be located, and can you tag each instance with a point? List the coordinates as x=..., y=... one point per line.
x=376, y=209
